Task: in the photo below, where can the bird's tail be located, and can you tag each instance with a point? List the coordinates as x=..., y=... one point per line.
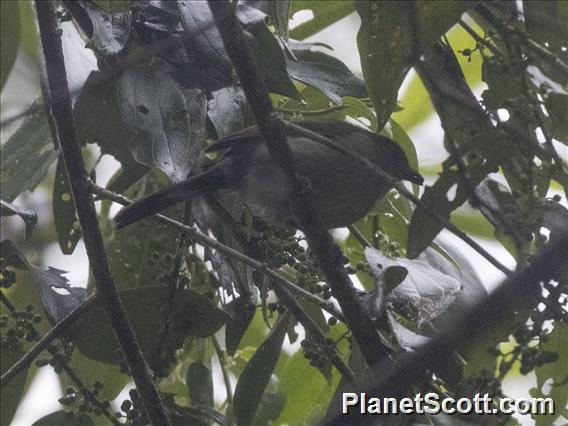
x=210, y=180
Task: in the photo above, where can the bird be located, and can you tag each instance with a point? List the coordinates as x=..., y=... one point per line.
x=343, y=189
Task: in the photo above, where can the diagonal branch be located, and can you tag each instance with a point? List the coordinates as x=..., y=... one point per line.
x=273, y=129
x=78, y=178
x=281, y=286
x=42, y=344
x=519, y=291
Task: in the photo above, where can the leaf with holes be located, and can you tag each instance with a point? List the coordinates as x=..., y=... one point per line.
x=154, y=110
x=64, y=214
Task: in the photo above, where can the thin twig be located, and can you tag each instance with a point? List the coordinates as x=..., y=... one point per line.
x=479, y=39
x=358, y=235
x=281, y=286
x=205, y=240
x=222, y=357
x=517, y=292
x=273, y=129
x=43, y=343
x=85, y=206
x=65, y=366
x=381, y=174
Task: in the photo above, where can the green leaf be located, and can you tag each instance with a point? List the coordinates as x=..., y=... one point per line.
x=9, y=38
x=62, y=418
x=91, y=371
x=271, y=61
x=242, y=312
x=154, y=110
x=192, y=315
x=307, y=391
x=97, y=118
x=325, y=13
x=415, y=100
x=28, y=216
x=256, y=375
x=27, y=155
x=11, y=394
x=199, y=381
x=271, y=404
x=57, y=296
x=551, y=378
x=29, y=30
x=136, y=253
x=64, y=214
x=385, y=43
x=324, y=72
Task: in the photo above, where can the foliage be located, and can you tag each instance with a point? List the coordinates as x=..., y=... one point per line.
x=165, y=88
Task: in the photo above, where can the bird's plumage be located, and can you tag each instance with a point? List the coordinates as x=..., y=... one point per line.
x=343, y=189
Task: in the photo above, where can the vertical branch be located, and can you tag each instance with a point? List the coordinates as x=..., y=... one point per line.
x=273, y=129
x=78, y=178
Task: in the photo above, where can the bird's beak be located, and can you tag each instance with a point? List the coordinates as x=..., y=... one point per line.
x=413, y=176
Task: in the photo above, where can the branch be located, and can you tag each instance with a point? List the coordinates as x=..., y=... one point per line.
x=381, y=174
x=43, y=343
x=521, y=290
x=85, y=206
x=281, y=286
x=273, y=130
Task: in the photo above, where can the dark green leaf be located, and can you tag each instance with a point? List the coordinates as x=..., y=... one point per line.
x=199, y=381
x=242, y=311
x=91, y=371
x=256, y=375
x=29, y=30
x=62, y=418
x=28, y=216
x=136, y=253
x=307, y=391
x=126, y=177
x=57, y=296
x=279, y=12
x=393, y=276
x=271, y=61
x=9, y=38
x=97, y=117
x=271, y=404
x=192, y=315
x=27, y=155
x=154, y=110
x=326, y=73
x=385, y=43
x=325, y=13
x=12, y=394
x=64, y=214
